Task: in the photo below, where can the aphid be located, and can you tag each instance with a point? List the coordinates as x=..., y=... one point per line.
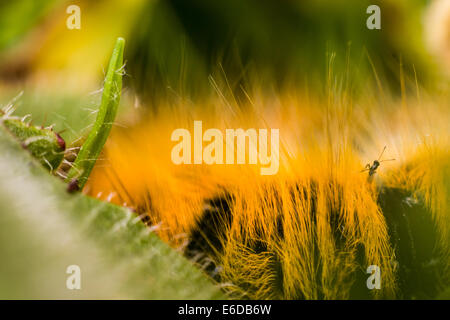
x=376, y=163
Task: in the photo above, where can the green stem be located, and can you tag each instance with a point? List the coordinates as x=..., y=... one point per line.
x=89, y=152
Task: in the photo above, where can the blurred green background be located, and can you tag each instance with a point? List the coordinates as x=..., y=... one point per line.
x=175, y=47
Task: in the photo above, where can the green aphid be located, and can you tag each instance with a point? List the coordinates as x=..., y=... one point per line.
x=44, y=144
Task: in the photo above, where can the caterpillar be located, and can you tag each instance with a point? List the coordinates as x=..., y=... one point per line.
x=311, y=231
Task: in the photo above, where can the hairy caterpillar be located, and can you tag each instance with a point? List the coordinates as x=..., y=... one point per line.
x=311, y=231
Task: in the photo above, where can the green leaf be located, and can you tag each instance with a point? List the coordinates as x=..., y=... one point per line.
x=43, y=230
x=43, y=143
x=93, y=145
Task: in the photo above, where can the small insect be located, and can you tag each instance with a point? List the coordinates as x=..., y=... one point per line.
x=376, y=163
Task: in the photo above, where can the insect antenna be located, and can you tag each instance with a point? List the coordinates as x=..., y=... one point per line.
x=386, y=160
x=381, y=154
